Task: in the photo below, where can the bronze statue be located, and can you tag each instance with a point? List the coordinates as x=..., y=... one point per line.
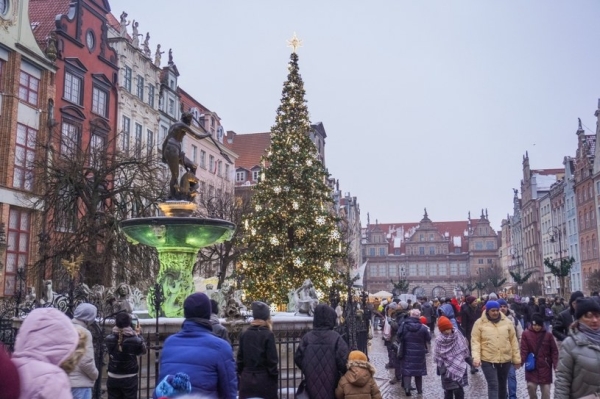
x=173, y=156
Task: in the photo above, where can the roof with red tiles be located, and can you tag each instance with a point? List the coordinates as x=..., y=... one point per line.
x=555, y=171
x=43, y=14
x=113, y=21
x=250, y=147
x=455, y=229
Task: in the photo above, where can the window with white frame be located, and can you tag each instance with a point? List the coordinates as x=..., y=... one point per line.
x=127, y=79
x=151, y=95
x=203, y=159
x=140, y=87
x=171, y=107
x=255, y=174
x=412, y=270
x=99, y=102
x=219, y=165
x=24, y=157
x=126, y=135
x=462, y=269
x=29, y=87
x=138, y=140
x=73, y=87
x=443, y=270
x=453, y=269
x=194, y=153
x=240, y=176
x=69, y=140
x=211, y=164
x=393, y=270
x=227, y=171
x=17, y=252
x=433, y=269
x=149, y=142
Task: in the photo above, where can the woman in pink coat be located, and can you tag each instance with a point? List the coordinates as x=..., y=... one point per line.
x=46, y=339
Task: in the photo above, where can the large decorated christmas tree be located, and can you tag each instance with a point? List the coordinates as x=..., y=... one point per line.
x=292, y=233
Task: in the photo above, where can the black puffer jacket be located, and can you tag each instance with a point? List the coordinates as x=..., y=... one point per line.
x=415, y=337
x=123, y=359
x=322, y=355
x=257, y=363
x=562, y=322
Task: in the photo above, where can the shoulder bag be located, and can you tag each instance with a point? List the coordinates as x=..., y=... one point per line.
x=530, y=360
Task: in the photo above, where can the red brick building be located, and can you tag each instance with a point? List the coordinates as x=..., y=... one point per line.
x=27, y=93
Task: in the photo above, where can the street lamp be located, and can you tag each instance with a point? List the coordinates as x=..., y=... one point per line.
x=556, y=233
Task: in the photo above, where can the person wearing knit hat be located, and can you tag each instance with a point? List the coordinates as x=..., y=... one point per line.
x=563, y=320
x=450, y=354
x=538, y=341
x=494, y=347
x=358, y=382
x=512, y=376
x=85, y=374
x=197, y=352
x=578, y=375
x=257, y=357
x=322, y=354
x=124, y=345
x=404, y=305
x=414, y=339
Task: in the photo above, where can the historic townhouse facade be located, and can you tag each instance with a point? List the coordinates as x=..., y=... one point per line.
x=558, y=239
x=535, y=183
x=216, y=162
x=572, y=225
x=436, y=258
x=138, y=93
x=27, y=92
x=585, y=202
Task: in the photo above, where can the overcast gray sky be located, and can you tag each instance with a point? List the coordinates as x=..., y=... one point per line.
x=426, y=103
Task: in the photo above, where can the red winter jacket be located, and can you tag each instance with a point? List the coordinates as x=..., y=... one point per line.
x=547, y=356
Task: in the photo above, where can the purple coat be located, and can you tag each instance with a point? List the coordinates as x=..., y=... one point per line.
x=415, y=337
x=46, y=339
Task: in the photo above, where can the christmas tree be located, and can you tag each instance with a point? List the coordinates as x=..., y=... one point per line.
x=291, y=233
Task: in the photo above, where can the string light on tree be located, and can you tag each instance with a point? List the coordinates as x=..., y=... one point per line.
x=288, y=242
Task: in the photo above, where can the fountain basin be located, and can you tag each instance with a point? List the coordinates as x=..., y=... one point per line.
x=164, y=232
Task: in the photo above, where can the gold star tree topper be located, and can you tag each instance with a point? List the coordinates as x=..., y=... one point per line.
x=294, y=43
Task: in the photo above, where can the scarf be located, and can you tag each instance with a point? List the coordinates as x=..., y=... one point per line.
x=451, y=351
x=592, y=335
x=494, y=320
x=261, y=323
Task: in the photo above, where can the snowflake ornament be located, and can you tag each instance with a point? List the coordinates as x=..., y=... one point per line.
x=327, y=265
x=253, y=232
x=329, y=282
x=295, y=205
x=274, y=240
x=308, y=162
x=295, y=148
x=258, y=208
x=277, y=189
x=335, y=235
x=297, y=262
x=320, y=220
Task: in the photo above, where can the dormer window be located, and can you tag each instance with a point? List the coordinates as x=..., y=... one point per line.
x=255, y=174
x=240, y=176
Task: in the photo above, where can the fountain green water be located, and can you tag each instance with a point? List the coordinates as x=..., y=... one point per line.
x=177, y=240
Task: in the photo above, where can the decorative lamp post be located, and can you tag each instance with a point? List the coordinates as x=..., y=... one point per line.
x=557, y=234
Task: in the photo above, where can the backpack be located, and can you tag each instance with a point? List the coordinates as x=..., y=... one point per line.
x=548, y=312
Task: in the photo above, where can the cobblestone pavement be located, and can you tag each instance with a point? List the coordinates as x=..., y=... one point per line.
x=432, y=385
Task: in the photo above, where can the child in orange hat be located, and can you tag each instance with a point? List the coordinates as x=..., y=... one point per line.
x=352, y=384
x=450, y=355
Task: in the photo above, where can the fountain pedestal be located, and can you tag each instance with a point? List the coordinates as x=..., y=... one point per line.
x=177, y=240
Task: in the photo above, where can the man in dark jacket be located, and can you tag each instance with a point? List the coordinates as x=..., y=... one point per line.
x=322, y=355
x=564, y=319
x=196, y=351
x=469, y=315
x=428, y=312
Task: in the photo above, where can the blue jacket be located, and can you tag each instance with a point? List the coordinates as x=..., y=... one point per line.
x=415, y=337
x=206, y=358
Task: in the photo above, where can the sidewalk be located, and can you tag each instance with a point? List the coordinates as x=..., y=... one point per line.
x=432, y=386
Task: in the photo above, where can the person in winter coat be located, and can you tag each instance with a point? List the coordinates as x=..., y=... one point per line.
x=541, y=343
x=557, y=306
x=564, y=319
x=85, y=374
x=9, y=377
x=322, y=355
x=218, y=329
x=449, y=355
x=512, y=375
x=398, y=318
x=124, y=345
x=494, y=347
x=196, y=351
x=578, y=374
x=469, y=315
x=448, y=310
x=358, y=382
x=257, y=356
x=428, y=312
x=46, y=340
x=415, y=339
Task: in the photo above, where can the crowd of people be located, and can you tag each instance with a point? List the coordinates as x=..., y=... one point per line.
x=496, y=336
x=556, y=343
